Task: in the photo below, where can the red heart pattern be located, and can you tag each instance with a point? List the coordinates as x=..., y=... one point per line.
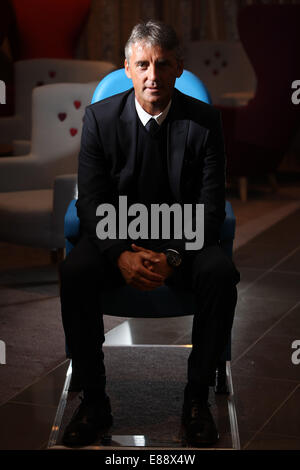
x=73, y=131
x=77, y=104
x=51, y=73
x=62, y=116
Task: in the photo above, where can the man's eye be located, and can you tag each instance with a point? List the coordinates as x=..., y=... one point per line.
x=142, y=65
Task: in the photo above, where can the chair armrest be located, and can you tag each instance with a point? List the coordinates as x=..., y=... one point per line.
x=21, y=147
x=9, y=128
x=19, y=173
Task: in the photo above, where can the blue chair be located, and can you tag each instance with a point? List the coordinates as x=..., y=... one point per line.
x=117, y=81
x=163, y=301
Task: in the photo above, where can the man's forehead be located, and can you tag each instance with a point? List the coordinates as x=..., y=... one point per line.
x=144, y=47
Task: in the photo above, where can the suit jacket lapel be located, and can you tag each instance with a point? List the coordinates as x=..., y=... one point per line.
x=178, y=129
x=127, y=136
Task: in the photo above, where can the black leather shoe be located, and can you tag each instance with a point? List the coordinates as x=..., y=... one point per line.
x=88, y=420
x=200, y=428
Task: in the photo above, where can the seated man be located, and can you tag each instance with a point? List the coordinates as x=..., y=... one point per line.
x=181, y=160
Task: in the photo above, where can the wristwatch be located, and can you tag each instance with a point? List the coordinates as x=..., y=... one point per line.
x=174, y=258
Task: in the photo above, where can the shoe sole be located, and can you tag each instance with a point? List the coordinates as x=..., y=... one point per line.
x=101, y=429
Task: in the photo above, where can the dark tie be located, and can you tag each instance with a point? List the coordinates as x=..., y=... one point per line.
x=152, y=126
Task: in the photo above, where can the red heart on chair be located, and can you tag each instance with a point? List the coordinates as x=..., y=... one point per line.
x=73, y=131
x=51, y=73
x=62, y=116
x=77, y=104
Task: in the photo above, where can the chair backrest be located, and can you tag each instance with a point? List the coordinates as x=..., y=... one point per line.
x=117, y=82
x=270, y=35
x=224, y=65
x=37, y=72
x=58, y=112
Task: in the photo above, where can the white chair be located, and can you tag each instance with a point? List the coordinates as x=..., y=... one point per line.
x=224, y=68
x=16, y=130
x=36, y=189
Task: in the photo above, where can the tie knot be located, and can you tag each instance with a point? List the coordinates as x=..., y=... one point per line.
x=152, y=126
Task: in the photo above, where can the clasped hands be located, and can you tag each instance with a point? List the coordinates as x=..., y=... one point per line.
x=144, y=269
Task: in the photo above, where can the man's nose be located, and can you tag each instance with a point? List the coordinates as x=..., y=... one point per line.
x=153, y=73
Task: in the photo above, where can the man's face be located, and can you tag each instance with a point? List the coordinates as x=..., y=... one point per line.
x=153, y=71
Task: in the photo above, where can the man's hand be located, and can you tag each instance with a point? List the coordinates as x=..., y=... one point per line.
x=136, y=273
x=161, y=265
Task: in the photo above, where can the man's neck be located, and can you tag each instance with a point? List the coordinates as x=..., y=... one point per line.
x=145, y=116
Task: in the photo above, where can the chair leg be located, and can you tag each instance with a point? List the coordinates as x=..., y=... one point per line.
x=57, y=255
x=243, y=188
x=221, y=386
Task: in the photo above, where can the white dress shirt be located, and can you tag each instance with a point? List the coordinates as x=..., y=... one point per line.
x=145, y=117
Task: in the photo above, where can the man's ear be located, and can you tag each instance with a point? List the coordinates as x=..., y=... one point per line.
x=127, y=68
x=179, y=68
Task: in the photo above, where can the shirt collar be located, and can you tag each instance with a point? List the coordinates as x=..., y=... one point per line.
x=145, y=117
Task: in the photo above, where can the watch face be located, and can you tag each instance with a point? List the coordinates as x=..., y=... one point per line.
x=173, y=258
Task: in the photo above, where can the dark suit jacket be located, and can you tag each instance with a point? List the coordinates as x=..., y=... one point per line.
x=196, y=161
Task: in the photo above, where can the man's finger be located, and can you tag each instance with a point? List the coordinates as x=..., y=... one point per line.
x=141, y=249
x=138, y=248
x=152, y=256
x=145, y=273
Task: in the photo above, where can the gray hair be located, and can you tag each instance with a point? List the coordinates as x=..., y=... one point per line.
x=155, y=33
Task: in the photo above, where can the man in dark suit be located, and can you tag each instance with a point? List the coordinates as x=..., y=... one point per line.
x=152, y=144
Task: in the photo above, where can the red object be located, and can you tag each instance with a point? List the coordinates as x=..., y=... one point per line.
x=73, y=131
x=77, y=104
x=258, y=134
x=49, y=28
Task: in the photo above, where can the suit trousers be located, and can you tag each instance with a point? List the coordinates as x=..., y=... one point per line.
x=85, y=272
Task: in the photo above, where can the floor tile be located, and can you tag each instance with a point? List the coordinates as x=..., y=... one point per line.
x=267, y=441
x=46, y=391
x=270, y=357
x=248, y=275
x=26, y=427
x=262, y=255
x=284, y=233
x=256, y=399
x=14, y=296
x=258, y=314
x=275, y=285
x=291, y=264
x=38, y=274
x=287, y=419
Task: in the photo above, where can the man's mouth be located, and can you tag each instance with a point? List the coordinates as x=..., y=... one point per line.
x=151, y=88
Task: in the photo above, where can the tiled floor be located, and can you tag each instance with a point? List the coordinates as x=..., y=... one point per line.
x=266, y=383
